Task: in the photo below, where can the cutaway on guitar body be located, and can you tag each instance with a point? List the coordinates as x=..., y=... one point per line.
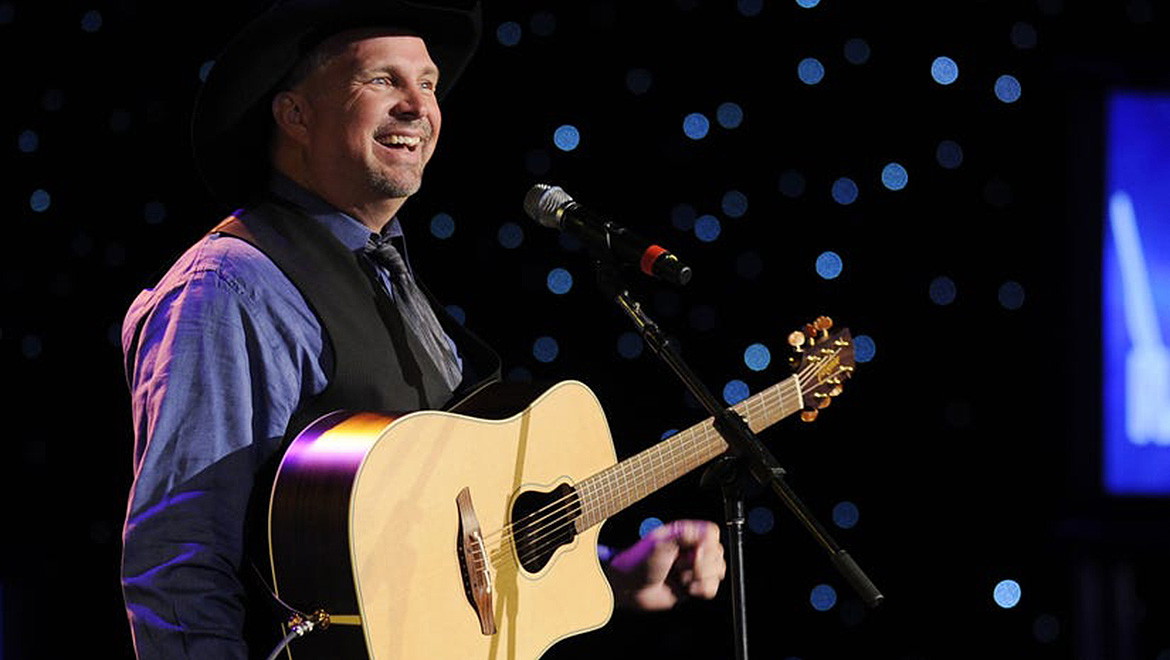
x=403, y=527
x=376, y=512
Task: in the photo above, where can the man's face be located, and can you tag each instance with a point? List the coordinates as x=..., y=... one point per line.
x=372, y=118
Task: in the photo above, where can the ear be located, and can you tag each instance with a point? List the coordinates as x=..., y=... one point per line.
x=290, y=111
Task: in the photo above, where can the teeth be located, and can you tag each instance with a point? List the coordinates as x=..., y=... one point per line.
x=407, y=140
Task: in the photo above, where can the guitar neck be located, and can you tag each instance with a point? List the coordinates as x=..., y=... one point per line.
x=619, y=486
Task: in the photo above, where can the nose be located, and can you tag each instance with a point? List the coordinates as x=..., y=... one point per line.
x=414, y=103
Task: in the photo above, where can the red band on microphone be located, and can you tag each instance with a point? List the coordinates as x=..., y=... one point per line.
x=649, y=257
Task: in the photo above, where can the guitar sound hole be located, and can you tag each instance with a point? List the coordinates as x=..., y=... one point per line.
x=543, y=522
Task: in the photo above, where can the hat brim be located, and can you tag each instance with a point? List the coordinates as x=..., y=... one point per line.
x=231, y=123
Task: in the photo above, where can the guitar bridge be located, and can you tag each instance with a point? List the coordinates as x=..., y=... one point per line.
x=475, y=564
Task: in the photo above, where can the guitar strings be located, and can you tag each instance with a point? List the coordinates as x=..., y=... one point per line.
x=527, y=522
x=545, y=537
x=538, y=540
x=503, y=562
x=544, y=533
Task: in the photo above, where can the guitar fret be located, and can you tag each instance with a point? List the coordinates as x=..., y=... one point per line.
x=627, y=482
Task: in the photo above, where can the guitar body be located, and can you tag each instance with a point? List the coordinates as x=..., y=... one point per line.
x=364, y=523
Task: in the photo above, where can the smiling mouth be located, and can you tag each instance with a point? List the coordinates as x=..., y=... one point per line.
x=398, y=141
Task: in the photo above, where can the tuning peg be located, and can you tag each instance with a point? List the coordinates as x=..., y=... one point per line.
x=796, y=340
x=823, y=323
x=808, y=415
x=823, y=403
x=837, y=389
x=811, y=331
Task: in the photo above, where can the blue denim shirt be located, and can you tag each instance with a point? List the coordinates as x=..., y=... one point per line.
x=218, y=356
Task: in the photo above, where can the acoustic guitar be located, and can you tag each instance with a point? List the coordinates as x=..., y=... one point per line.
x=440, y=535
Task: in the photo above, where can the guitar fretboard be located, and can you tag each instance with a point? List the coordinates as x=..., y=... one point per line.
x=619, y=486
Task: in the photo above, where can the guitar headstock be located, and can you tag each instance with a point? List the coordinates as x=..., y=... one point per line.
x=822, y=361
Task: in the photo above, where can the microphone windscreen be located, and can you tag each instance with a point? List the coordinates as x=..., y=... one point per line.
x=542, y=203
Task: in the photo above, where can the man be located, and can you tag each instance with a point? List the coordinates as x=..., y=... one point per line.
x=301, y=304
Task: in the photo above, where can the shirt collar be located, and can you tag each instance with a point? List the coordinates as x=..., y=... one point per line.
x=347, y=229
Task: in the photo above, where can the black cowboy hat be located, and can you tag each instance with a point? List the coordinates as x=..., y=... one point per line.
x=232, y=119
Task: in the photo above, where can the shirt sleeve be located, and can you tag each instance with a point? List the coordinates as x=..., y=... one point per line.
x=218, y=357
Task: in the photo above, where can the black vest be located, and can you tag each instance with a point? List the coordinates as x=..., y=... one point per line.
x=373, y=367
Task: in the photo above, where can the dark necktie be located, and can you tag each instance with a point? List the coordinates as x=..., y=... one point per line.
x=416, y=310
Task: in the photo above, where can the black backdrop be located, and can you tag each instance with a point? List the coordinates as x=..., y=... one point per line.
x=967, y=442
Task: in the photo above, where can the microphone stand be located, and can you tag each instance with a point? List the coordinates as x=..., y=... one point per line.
x=748, y=452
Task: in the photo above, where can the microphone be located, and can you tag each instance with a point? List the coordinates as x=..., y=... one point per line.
x=553, y=207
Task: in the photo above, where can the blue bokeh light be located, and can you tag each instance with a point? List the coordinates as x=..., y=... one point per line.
x=519, y=374
x=28, y=141
x=508, y=33
x=53, y=100
x=1007, y=89
x=864, y=348
x=510, y=235
x=31, y=346
x=808, y=4
x=696, y=125
x=1046, y=629
x=792, y=183
x=629, y=345
x=569, y=242
x=894, y=176
x=154, y=212
x=442, y=226
x=638, y=81
x=649, y=525
x=734, y=204
x=949, y=154
x=1011, y=295
x=761, y=520
x=810, y=71
x=559, y=281
x=703, y=318
x=749, y=8
x=205, y=69
x=844, y=191
x=1023, y=35
x=845, y=515
x=91, y=21
x=682, y=216
x=944, y=70
x=566, y=137
x=1007, y=594
x=545, y=349
x=729, y=115
x=543, y=23
x=829, y=265
x=943, y=290
x=40, y=200
x=735, y=391
x=707, y=228
x=757, y=357
x=457, y=313
x=857, y=51
x=823, y=598
x=120, y=121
